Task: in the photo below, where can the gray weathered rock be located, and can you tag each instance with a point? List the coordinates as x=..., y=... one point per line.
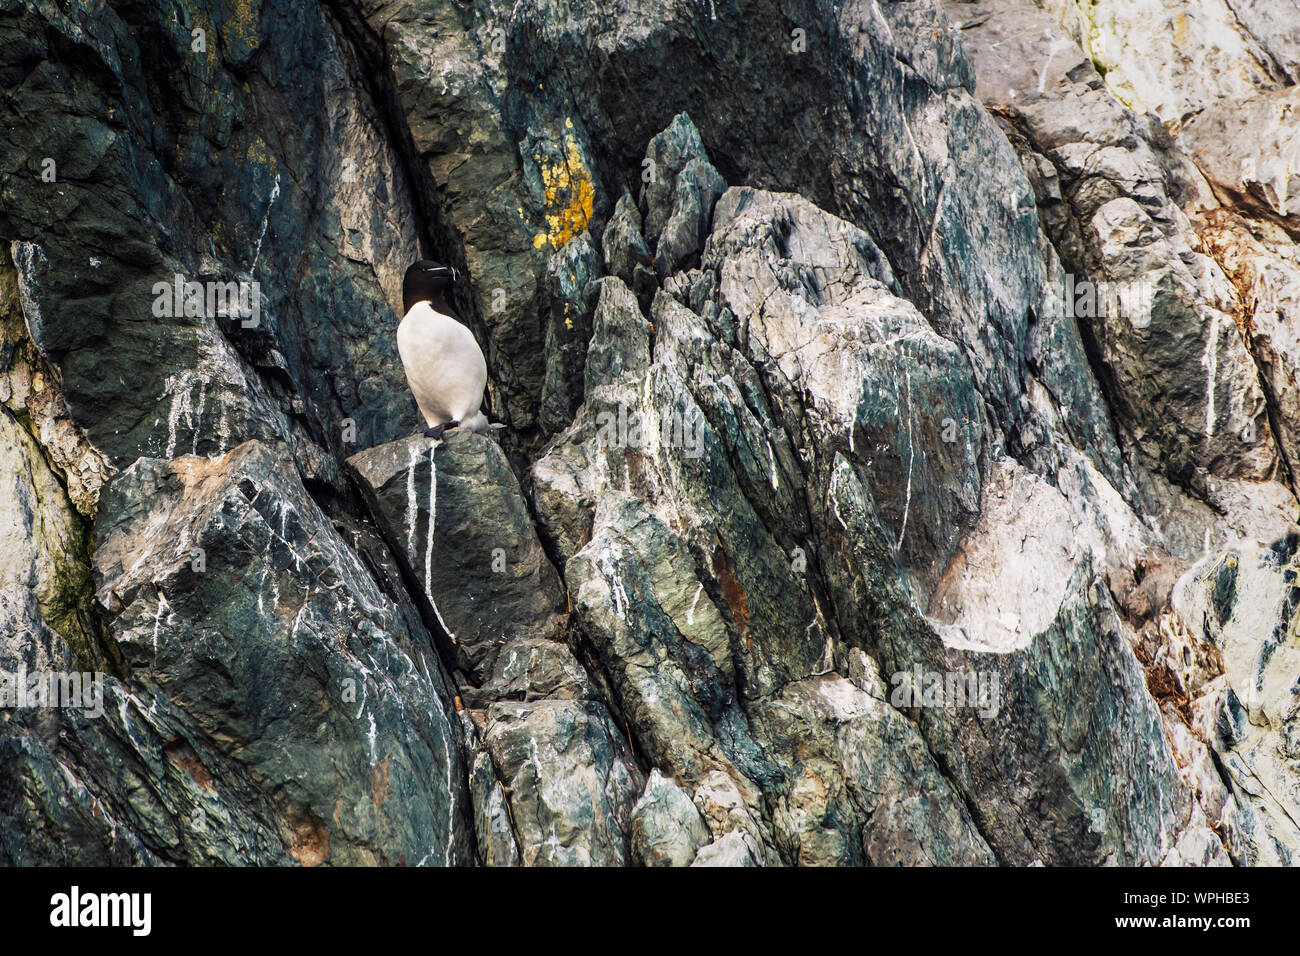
x=1242, y=603
x=1250, y=150
x=571, y=781
x=206, y=564
x=626, y=253
x=735, y=848
x=680, y=195
x=493, y=827
x=451, y=510
x=667, y=830
x=854, y=758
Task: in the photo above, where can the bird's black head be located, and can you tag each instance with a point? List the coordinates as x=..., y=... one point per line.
x=427, y=281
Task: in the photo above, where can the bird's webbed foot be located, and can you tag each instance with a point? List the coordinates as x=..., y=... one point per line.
x=435, y=431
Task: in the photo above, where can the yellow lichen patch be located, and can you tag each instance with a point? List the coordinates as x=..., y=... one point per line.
x=570, y=197
x=243, y=22
x=258, y=153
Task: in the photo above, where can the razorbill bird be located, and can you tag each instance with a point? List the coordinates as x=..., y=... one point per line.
x=444, y=365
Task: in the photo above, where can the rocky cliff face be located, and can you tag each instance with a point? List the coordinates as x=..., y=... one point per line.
x=902, y=422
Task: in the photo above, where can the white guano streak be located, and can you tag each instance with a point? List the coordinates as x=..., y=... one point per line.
x=911, y=458
x=433, y=504
x=1212, y=371
x=411, y=512
x=428, y=544
x=690, y=613
x=163, y=609
x=266, y=221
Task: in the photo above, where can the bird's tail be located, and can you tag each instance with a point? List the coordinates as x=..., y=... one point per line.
x=475, y=423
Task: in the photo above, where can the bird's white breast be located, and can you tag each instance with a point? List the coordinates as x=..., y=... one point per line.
x=444, y=365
